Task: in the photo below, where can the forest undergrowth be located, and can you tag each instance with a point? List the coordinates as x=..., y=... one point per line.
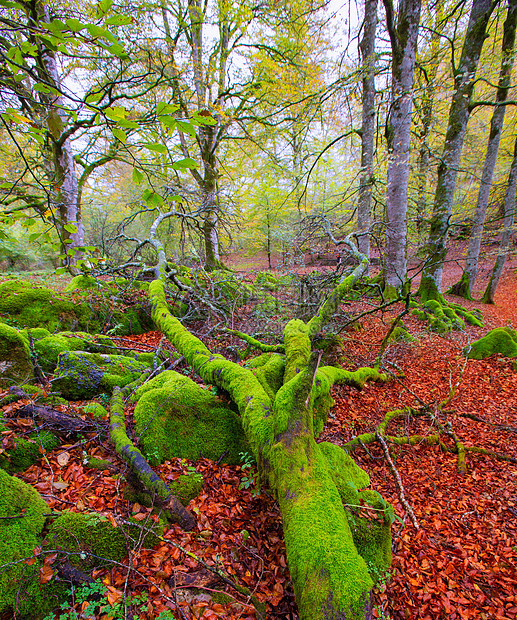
x=457, y=561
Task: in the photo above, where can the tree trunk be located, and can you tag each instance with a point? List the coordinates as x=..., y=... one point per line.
x=65, y=192
x=432, y=63
x=504, y=244
x=464, y=80
x=330, y=576
x=403, y=42
x=367, y=48
x=464, y=286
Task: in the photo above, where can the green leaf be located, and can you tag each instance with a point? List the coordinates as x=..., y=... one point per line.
x=74, y=24
x=104, y=6
x=33, y=236
x=117, y=50
x=123, y=122
x=118, y=133
x=116, y=114
x=184, y=164
x=44, y=88
x=71, y=228
x=154, y=200
x=186, y=126
x=169, y=121
x=101, y=33
x=119, y=20
x=60, y=271
x=201, y=119
x=157, y=148
x=166, y=108
x=138, y=176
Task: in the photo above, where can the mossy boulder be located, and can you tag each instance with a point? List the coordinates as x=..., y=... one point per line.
x=81, y=376
x=187, y=487
x=443, y=316
x=49, y=347
x=15, y=359
x=93, y=541
x=175, y=416
x=502, y=340
x=22, y=513
x=26, y=451
x=28, y=305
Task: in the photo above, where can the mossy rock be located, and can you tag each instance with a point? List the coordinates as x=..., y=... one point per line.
x=33, y=306
x=97, y=411
x=20, y=588
x=502, y=340
x=15, y=359
x=401, y=334
x=27, y=450
x=175, y=416
x=92, y=541
x=81, y=376
x=49, y=347
x=187, y=487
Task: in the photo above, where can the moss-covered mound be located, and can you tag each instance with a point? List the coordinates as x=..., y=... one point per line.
x=443, y=316
x=501, y=340
x=26, y=450
x=81, y=376
x=22, y=519
x=175, y=416
x=93, y=541
x=15, y=360
x=49, y=347
x=25, y=304
x=28, y=305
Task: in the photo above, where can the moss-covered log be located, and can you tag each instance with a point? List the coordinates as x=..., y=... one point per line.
x=331, y=578
x=173, y=509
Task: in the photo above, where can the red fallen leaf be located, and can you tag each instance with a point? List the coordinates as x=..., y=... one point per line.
x=45, y=574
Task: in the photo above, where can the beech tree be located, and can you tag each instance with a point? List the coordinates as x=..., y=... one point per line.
x=403, y=37
x=468, y=278
x=367, y=49
x=459, y=112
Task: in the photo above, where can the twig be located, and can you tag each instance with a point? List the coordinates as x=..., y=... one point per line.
x=398, y=481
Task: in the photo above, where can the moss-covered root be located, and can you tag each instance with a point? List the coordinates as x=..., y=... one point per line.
x=256, y=344
x=174, y=510
x=330, y=578
x=443, y=316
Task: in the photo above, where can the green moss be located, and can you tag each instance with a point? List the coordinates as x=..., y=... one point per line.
x=32, y=306
x=19, y=536
x=187, y=487
x=27, y=451
x=269, y=370
x=401, y=334
x=15, y=360
x=174, y=416
x=93, y=541
x=35, y=332
x=502, y=340
x=97, y=411
x=93, y=463
x=82, y=375
x=369, y=515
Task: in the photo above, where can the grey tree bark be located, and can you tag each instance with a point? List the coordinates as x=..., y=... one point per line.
x=459, y=112
x=367, y=49
x=431, y=62
x=403, y=36
x=464, y=286
x=60, y=163
x=504, y=244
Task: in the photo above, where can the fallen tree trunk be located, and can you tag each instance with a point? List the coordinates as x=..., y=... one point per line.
x=327, y=558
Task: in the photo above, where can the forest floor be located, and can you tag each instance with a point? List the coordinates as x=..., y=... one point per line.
x=460, y=563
